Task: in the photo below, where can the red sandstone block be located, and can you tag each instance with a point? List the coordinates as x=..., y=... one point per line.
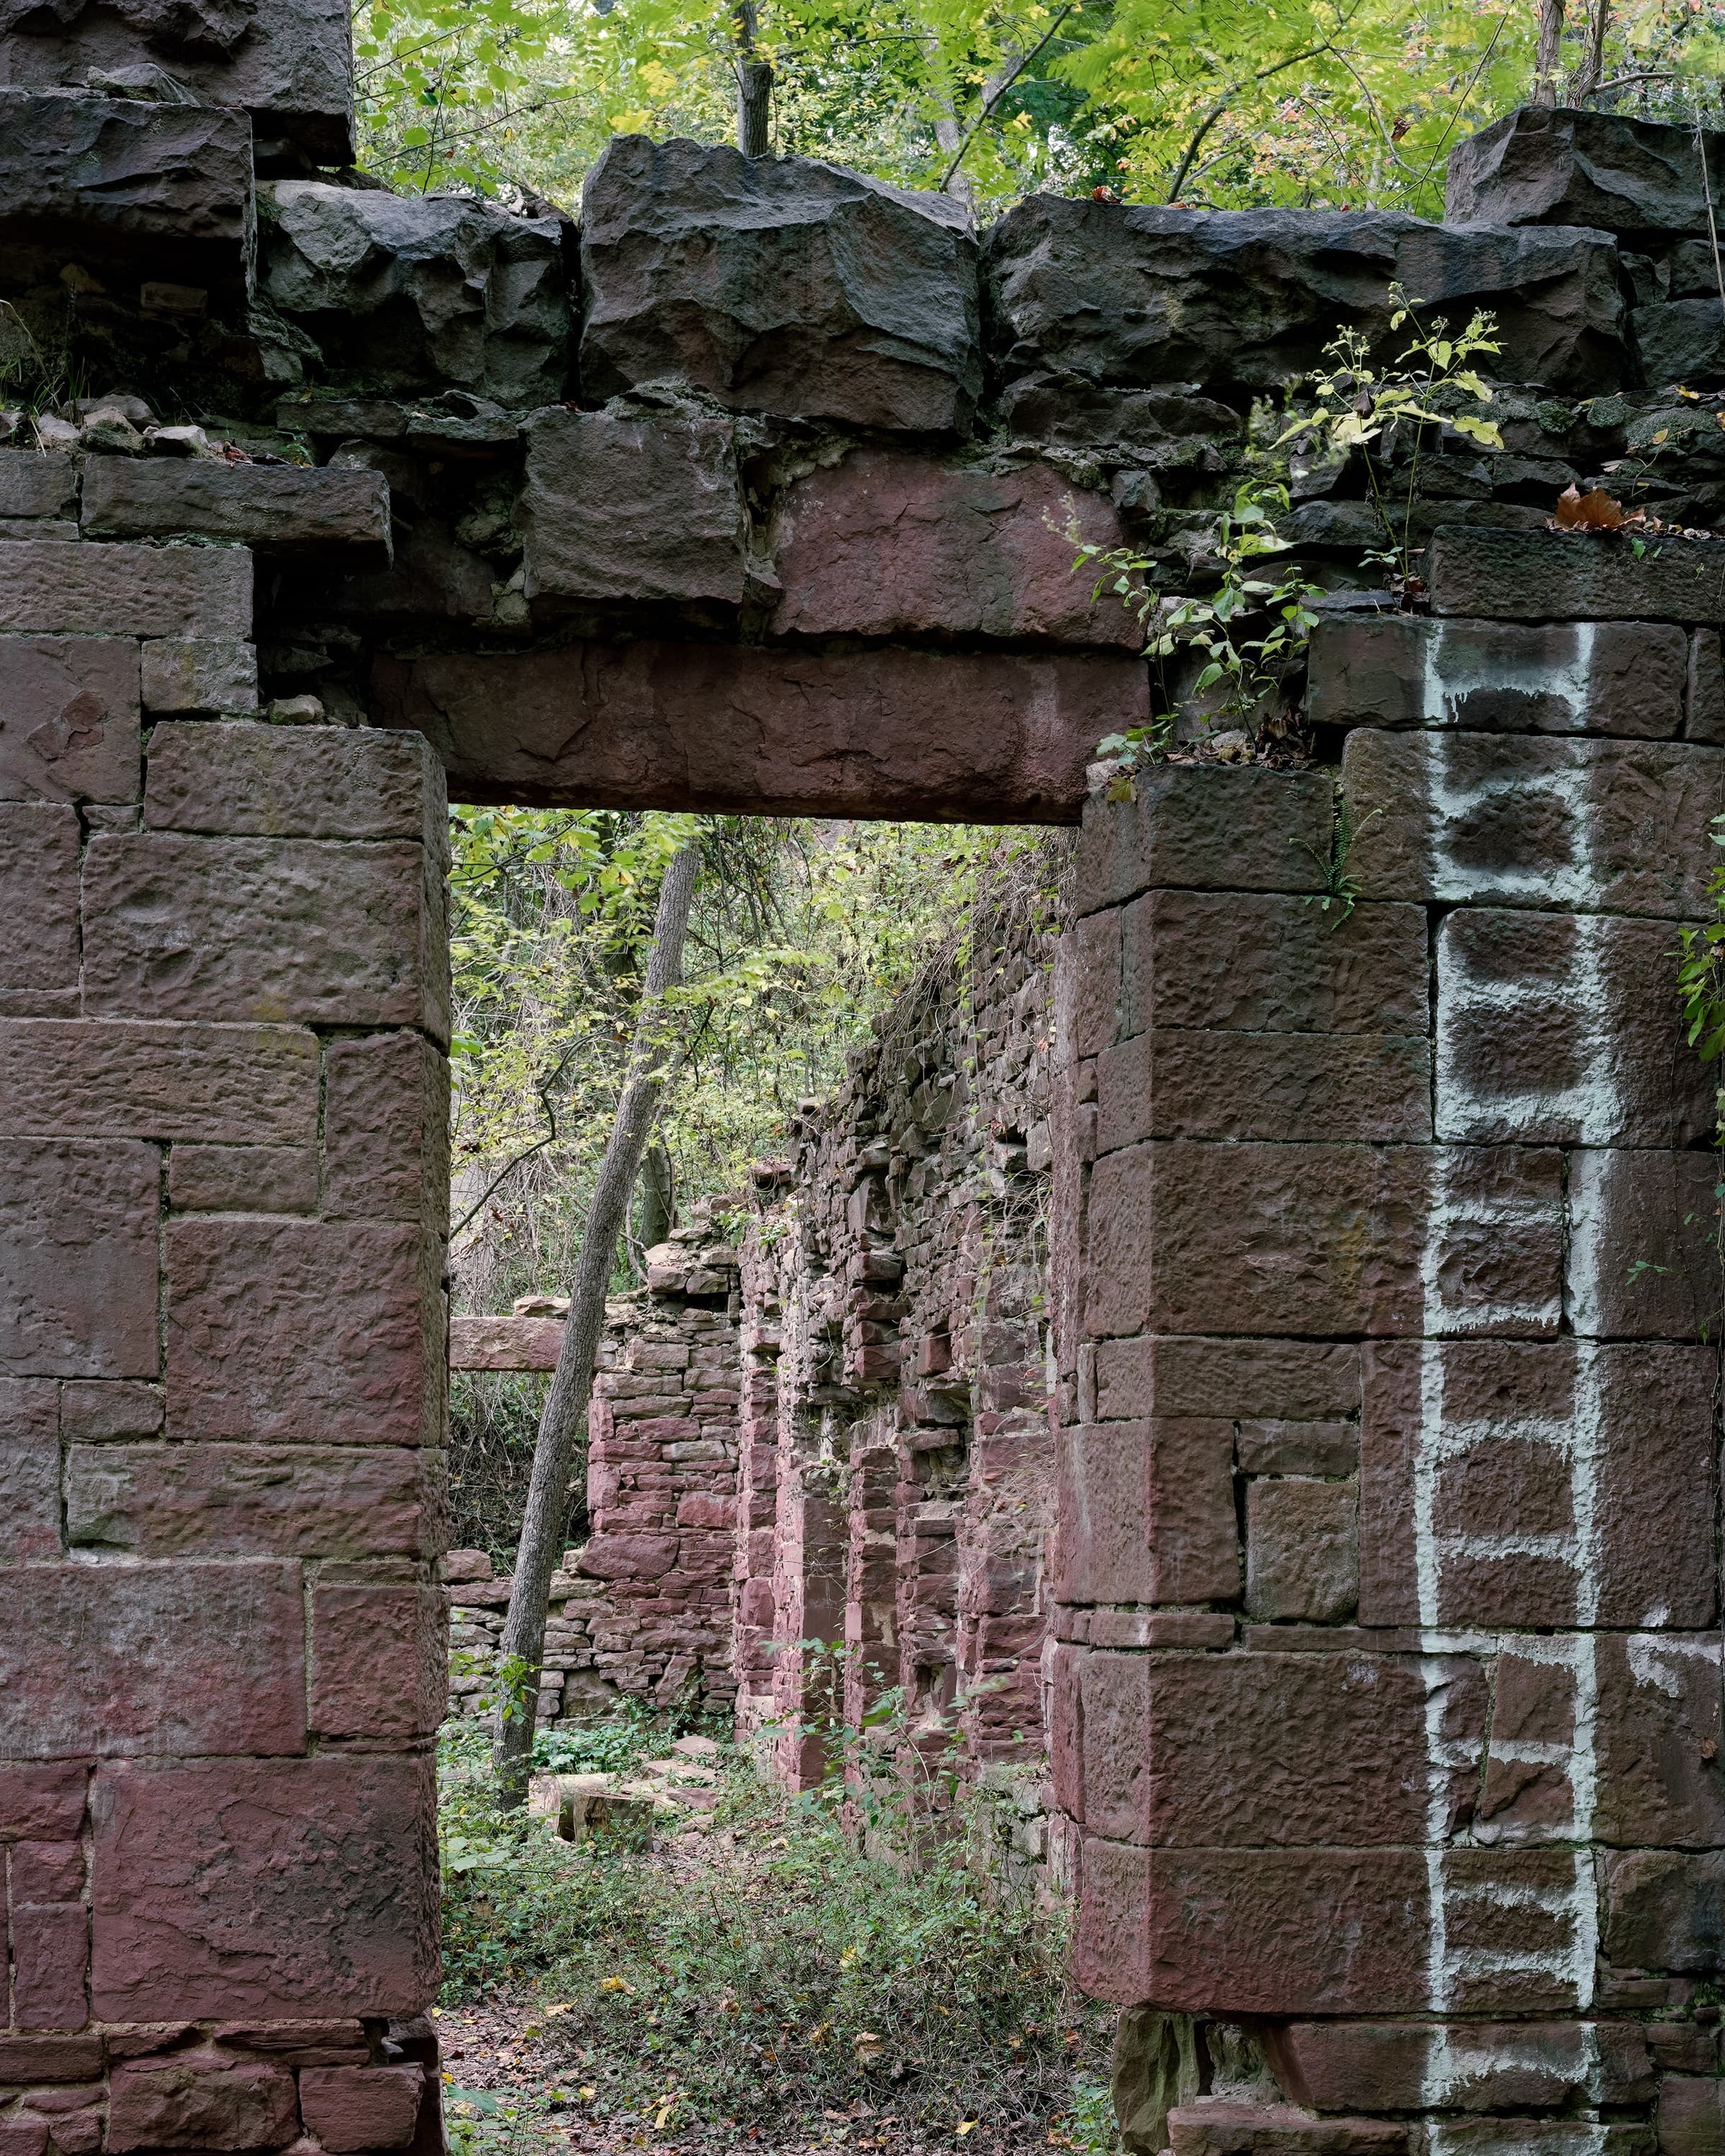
x=1207, y=827
x=42, y=1804
x=242, y=1179
x=1643, y=1244
x=1390, y=2066
x=1657, y=1739
x=1277, y=1931
x=1272, y=1239
x=23, y=2134
x=246, y=1500
x=378, y=1666
x=1607, y=1071
x=299, y=1331
x=1691, y=2117
x=349, y=2107
x=49, y=2059
x=890, y=544
x=48, y=1872
x=1252, y=1751
x=69, y=716
x=29, y=1470
x=271, y=1888
x=1508, y=1409
x=1499, y=819
x=294, y=782
x=784, y=733
x=39, y=893
x=514, y=1343
x=214, y=1084
x=619, y=1556
x=338, y=513
x=78, y=1224
x=200, y=2102
x=1302, y=1550
x=302, y=929
x=1665, y=1909
x=185, y=1658
x=1236, y=962
x=1511, y=1924
x=1297, y=1381
x=1245, y=2129
x=386, y=1129
x=126, y=591
x=1088, y=1016
x=1145, y=1513
x=1332, y=1088
x=50, y=1965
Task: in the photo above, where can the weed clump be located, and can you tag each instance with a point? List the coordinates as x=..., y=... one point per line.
x=770, y=1972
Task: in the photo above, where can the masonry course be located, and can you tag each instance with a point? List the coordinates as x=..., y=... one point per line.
x=1244, y=1363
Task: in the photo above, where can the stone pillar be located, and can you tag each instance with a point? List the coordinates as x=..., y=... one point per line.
x=223, y=1014
x=1386, y=1703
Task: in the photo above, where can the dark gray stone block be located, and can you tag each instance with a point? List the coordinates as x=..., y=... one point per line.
x=1638, y=179
x=1683, y=342
x=412, y=291
x=1558, y=575
x=274, y=507
x=118, y=179
x=1241, y=301
x=633, y=508
x=778, y=284
x=288, y=62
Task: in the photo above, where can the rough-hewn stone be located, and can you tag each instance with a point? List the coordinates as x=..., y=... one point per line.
x=1567, y=166
x=78, y=1225
x=1397, y=670
x=1302, y=1550
x=125, y=590
x=217, y=676
x=303, y=1500
x=230, y=1085
x=887, y=544
x=1336, y=1088
x=38, y=891
x=777, y=285
x=410, y=291
x=386, y=1129
x=378, y=1669
x=118, y=175
x=269, y=1887
x=276, y=508
x=201, y=2103
x=1146, y=1513
x=297, y=1331
x=350, y=2107
x=31, y=485
x=29, y=1470
x=1545, y=575
x=242, y=1179
x=68, y=718
x=636, y=508
x=253, y=929
x=289, y=63
x=121, y=1660
x=1250, y=830
x=1238, y=300
x=301, y=783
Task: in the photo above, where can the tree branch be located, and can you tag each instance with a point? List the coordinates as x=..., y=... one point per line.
x=1183, y=168
x=995, y=98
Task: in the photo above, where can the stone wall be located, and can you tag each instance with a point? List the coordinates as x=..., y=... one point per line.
x=642, y=1608
x=1385, y=1278
x=1384, y=1696
x=895, y=1460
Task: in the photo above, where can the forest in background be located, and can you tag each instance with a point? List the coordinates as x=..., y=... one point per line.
x=1225, y=103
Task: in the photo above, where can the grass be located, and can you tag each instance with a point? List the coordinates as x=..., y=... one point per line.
x=774, y=1977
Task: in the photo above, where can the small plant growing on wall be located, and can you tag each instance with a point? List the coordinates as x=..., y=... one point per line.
x=1251, y=630
x=1431, y=384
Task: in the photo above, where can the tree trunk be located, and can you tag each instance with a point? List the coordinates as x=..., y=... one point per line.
x=1549, y=50
x=566, y=1404
x=754, y=88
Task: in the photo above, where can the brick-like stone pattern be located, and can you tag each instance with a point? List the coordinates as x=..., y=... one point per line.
x=1378, y=1631
x=642, y=1608
x=895, y=1475
x=1386, y=1668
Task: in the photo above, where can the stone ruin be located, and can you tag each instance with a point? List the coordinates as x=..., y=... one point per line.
x=1382, y=1681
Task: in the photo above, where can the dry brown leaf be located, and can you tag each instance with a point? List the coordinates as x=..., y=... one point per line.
x=1595, y=512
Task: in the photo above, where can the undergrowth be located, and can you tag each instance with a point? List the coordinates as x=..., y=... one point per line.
x=778, y=1975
